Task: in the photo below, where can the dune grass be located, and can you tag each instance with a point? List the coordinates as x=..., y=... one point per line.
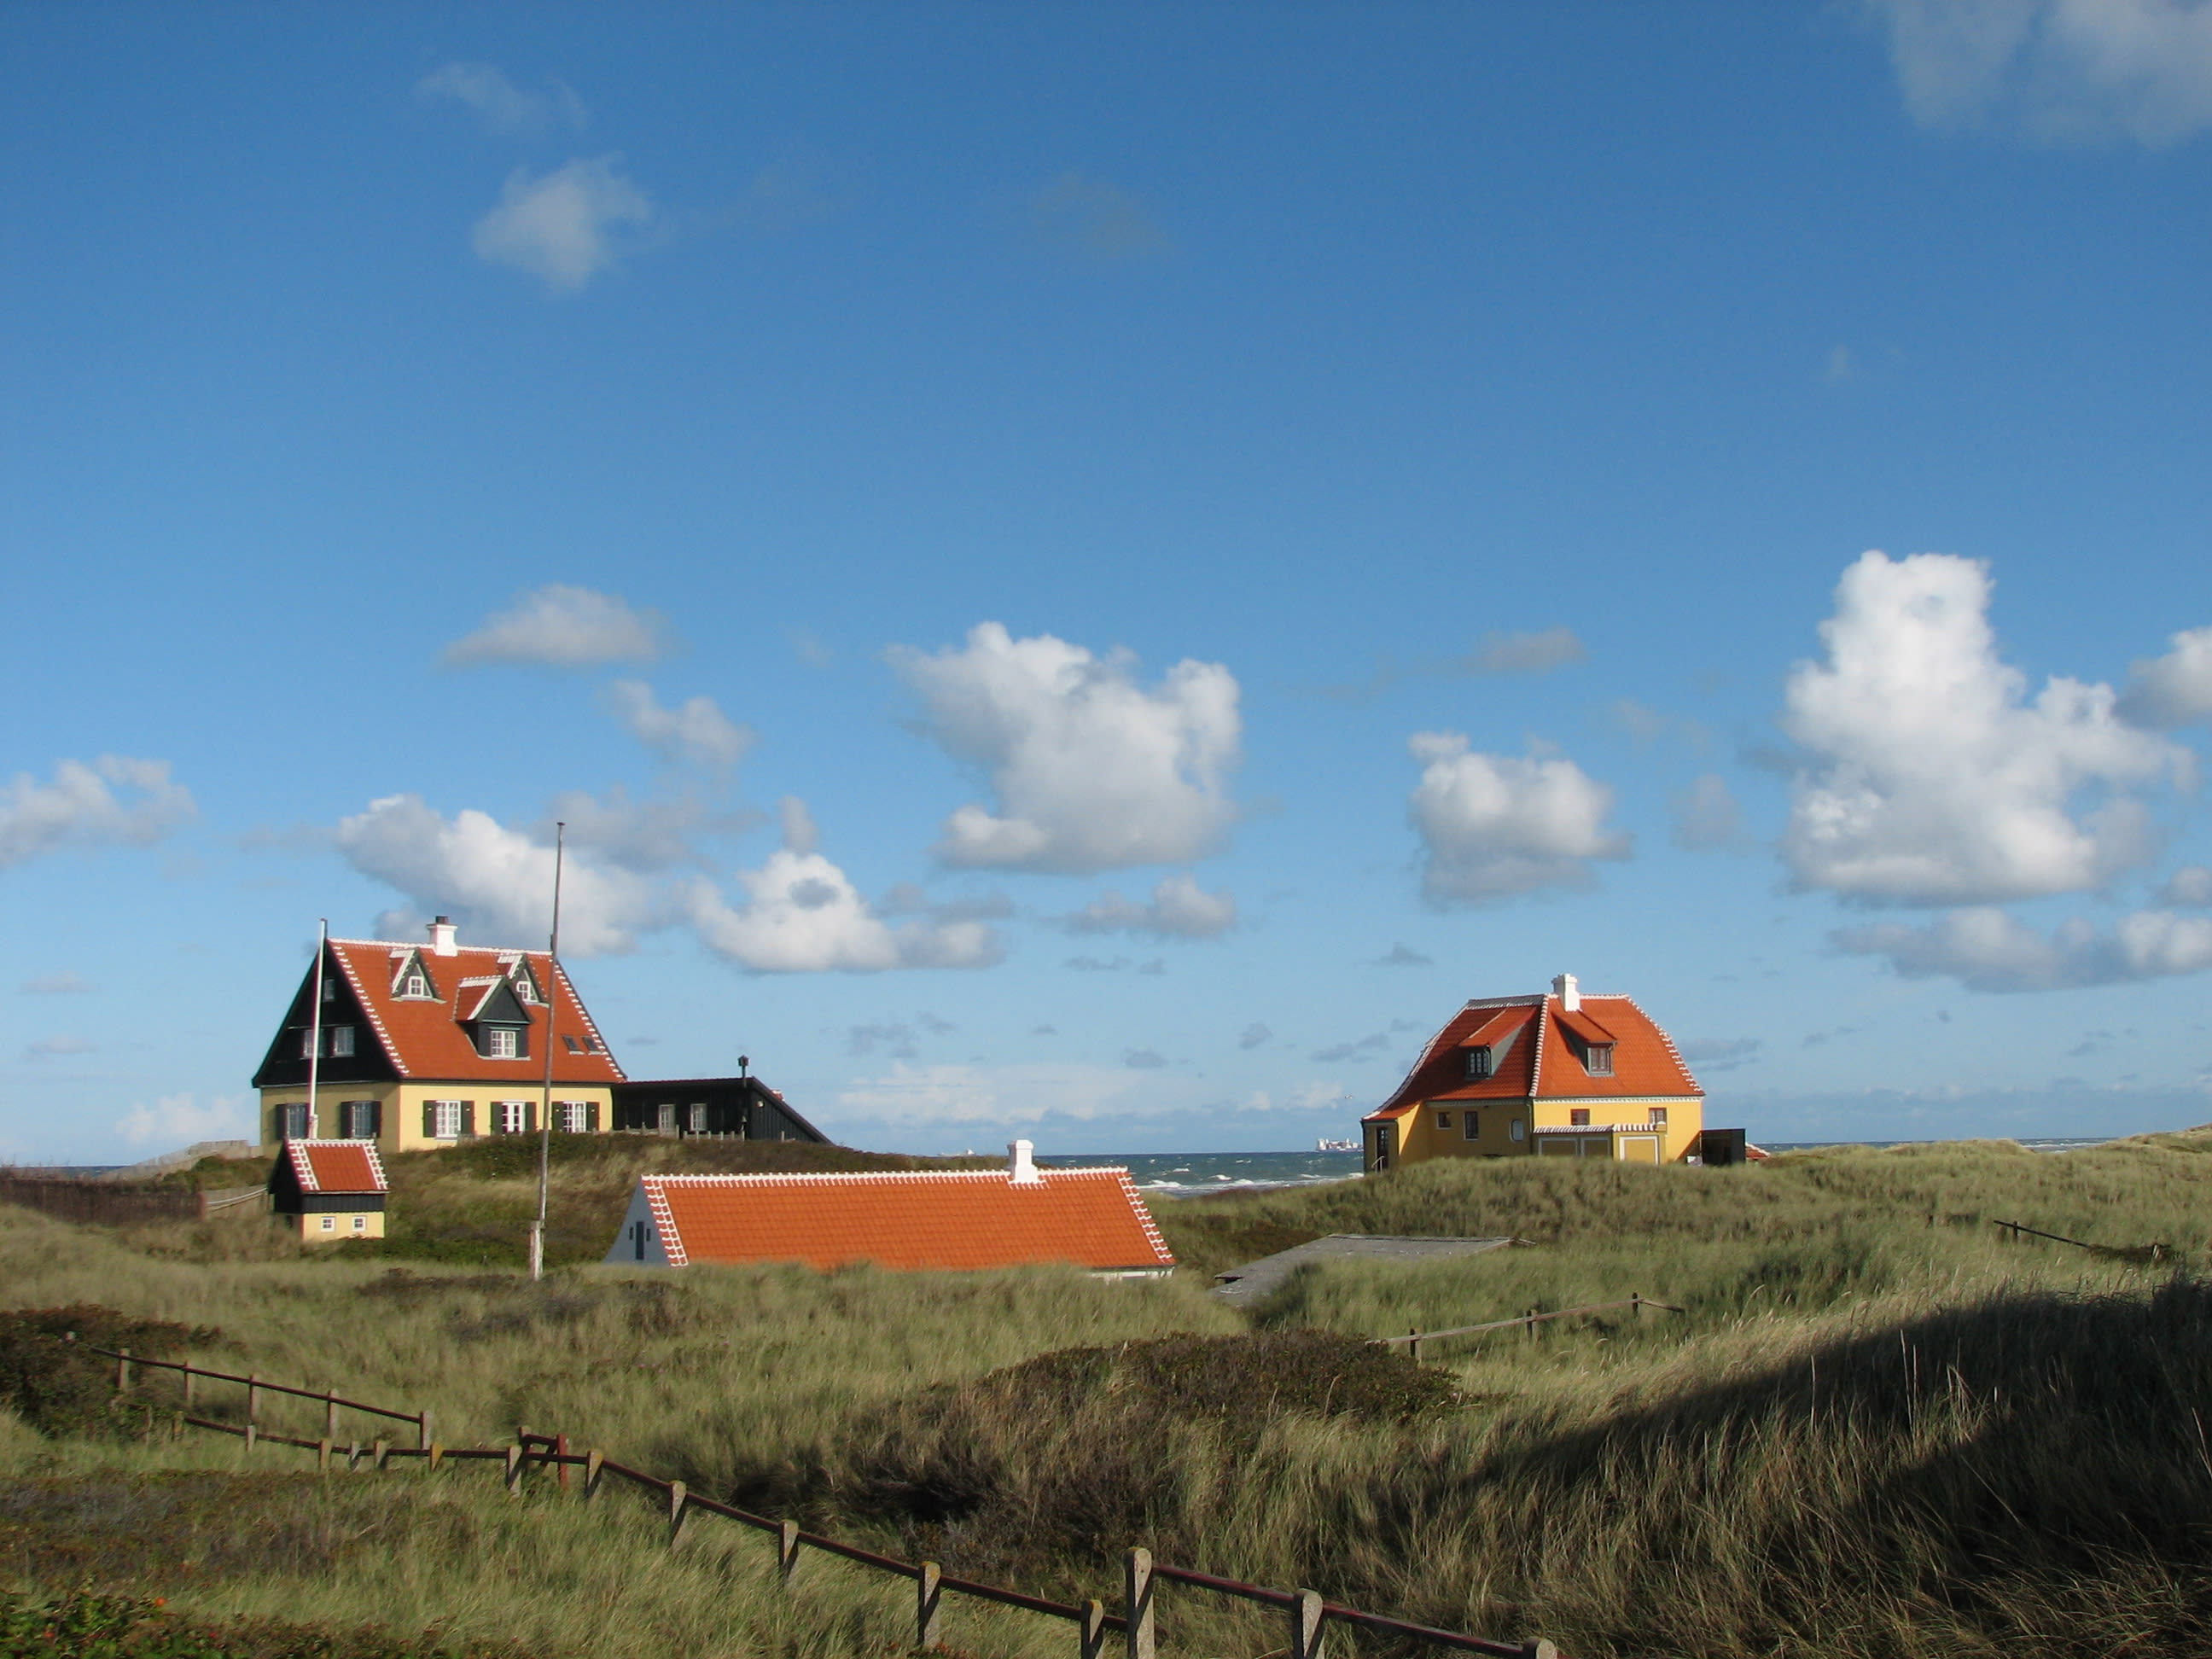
x=1877, y=1430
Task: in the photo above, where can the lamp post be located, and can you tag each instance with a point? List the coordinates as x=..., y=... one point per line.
x=546, y=1095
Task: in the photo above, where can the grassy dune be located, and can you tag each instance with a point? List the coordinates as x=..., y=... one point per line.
x=1877, y=1430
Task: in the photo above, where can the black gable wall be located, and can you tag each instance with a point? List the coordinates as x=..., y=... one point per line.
x=285, y=1066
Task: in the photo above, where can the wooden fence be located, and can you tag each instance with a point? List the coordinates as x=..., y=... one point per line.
x=114, y=1207
x=1528, y=1321
x=1306, y=1614
x=2149, y=1253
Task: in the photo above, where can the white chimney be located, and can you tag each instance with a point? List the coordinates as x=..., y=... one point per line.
x=1569, y=993
x=1020, y=1166
x=441, y=937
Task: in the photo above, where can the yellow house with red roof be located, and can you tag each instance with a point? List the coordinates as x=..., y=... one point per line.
x=1566, y=1075
x=427, y=1045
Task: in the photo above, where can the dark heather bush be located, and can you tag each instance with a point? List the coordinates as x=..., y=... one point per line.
x=58, y=1387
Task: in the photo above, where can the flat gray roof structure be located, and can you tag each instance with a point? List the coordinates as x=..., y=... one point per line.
x=1256, y=1280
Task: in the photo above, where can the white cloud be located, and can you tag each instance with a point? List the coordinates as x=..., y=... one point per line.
x=61, y=1046
x=113, y=800
x=643, y=835
x=1523, y=654
x=910, y=1095
x=1706, y=815
x=496, y=882
x=502, y=106
x=562, y=226
x=1492, y=826
x=1091, y=216
x=2189, y=887
x=1092, y=771
x=67, y=982
x=2056, y=68
x=1934, y=780
x=558, y=626
x=2176, y=689
x=1987, y=950
x=1179, y=908
x=178, y=1120
x=698, y=732
x=802, y=915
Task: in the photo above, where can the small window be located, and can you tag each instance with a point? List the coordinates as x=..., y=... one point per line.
x=417, y=986
x=697, y=1123
x=307, y=1043
x=330, y=990
x=330, y=1224
x=1470, y=1125
x=574, y=1046
x=341, y=1041
x=1600, y=1062
x=1478, y=1061
x=510, y=1117
x=1658, y=1117
x=359, y=1120
x=360, y=1223
x=1520, y=1130
x=570, y=1116
x=295, y=1121
x=592, y=1046
x=500, y=1043
x=1443, y=1119
x=1578, y=1117
x=446, y=1119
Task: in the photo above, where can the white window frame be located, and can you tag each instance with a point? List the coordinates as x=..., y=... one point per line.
x=446, y=1119
x=415, y=987
x=570, y=1116
x=341, y=1041
x=290, y=1112
x=1598, y=1059
x=330, y=1222
x=503, y=1042
x=360, y=1223
x=1658, y=1117
x=1520, y=1129
x=695, y=1118
x=510, y=1117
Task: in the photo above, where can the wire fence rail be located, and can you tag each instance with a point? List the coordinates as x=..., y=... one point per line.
x=1528, y=1321
x=1307, y=1614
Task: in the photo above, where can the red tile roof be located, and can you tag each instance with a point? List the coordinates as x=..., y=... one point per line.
x=1541, y=1060
x=335, y=1166
x=935, y=1220
x=424, y=1037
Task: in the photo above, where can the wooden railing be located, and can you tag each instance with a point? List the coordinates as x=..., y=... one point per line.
x=1307, y=1613
x=2152, y=1252
x=1528, y=1321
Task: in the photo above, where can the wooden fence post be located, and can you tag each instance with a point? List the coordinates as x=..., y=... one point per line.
x=250, y=1432
x=561, y=1450
x=422, y=1431
x=592, y=1463
x=330, y=1414
x=189, y=1374
x=514, y=1471
x=1414, y=1345
x=787, y=1550
x=1137, y=1583
x=926, y=1604
x=381, y=1454
x=1093, y=1645
x=678, y=1509
x=253, y=1396
x=1538, y=1649
x=123, y=1371
x=1306, y=1626
x=323, y=1455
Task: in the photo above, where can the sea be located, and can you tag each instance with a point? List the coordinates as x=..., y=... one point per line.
x=1187, y=1175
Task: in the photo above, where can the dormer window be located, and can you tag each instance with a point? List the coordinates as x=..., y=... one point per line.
x=503, y=1042
x=1478, y=1061
x=1597, y=1060
x=417, y=986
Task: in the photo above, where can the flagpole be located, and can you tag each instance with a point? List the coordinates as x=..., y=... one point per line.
x=546, y=1096
x=315, y=1025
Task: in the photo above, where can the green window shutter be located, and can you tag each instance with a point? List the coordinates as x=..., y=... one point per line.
x=374, y=1111
x=429, y=1120
x=468, y=1117
x=592, y=1116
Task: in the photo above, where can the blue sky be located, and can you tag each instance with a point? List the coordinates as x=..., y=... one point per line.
x=1095, y=571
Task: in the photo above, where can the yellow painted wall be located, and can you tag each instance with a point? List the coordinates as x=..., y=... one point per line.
x=1422, y=1136
x=1686, y=1118
x=312, y=1231
x=403, y=1108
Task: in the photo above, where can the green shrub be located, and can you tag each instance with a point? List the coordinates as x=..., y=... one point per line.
x=83, y=1624
x=59, y=1387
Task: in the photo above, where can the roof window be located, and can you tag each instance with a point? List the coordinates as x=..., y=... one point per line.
x=1597, y=1060
x=1479, y=1060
